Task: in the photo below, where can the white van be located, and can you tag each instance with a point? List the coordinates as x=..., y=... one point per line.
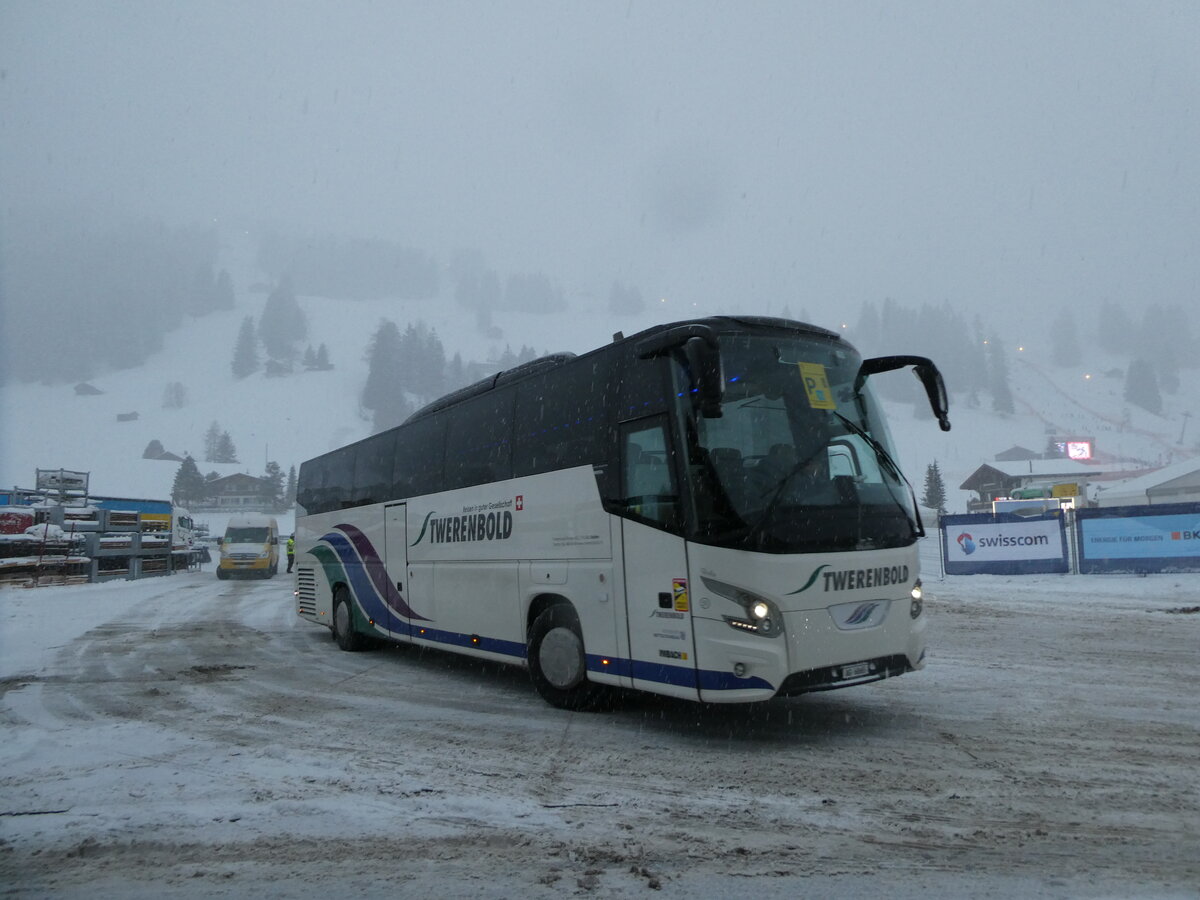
x=250, y=547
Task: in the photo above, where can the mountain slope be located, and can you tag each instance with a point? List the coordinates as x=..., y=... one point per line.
x=289, y=419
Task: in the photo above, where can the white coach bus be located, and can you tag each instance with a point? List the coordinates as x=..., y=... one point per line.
x=708, y=510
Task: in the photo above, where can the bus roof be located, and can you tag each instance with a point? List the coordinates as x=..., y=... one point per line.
x=554, y=360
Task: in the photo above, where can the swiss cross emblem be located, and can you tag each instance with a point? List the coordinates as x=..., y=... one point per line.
x=520, y=501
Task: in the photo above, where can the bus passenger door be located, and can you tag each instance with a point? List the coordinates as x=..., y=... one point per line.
x=395, y=567
x=661, y=646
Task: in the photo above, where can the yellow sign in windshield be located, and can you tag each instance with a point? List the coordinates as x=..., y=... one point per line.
x=816, y=385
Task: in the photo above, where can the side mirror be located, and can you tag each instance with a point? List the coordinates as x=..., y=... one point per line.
x=698, y=344
x=935, y=390
x=927, y=372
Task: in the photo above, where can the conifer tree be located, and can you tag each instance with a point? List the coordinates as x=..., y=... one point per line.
x=212, y=441
x=383, y=394
x=272, y=481
x=189, y=486
x=1141, y=386
x=310, y=357
x=245, y=351
x=282, y=322
x=323, y=363
x=289, y=489
x=935, y=489
x=226, y=451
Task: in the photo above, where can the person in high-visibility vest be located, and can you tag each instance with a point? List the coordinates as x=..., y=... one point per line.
x=291, y=550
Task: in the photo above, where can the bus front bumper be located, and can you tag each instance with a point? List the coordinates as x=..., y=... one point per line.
x=813, y=654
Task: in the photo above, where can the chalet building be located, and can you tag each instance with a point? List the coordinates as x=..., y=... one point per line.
x=238, y=491
x=1028, y=478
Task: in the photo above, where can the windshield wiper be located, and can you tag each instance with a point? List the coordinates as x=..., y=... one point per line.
x=886, y=458
x=777, y=494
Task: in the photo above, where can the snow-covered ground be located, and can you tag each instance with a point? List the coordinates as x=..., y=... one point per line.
x=193, y=737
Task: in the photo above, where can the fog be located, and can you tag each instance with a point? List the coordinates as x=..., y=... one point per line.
x=1010, y=158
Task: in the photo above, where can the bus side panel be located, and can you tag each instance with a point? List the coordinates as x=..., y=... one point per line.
x=315, y=568
x=475, y=606
x=658, y=607
x=364, y=564
x=588, y=585
x=344, y=548
x=478, y=556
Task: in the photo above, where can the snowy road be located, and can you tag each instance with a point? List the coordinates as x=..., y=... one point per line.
x=195, y=735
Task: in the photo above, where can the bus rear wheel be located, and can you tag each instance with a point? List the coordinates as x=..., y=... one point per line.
x=343, y=623
x=558, y=662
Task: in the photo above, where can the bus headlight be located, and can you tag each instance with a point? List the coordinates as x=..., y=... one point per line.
x=761, y=615
x=918, y=600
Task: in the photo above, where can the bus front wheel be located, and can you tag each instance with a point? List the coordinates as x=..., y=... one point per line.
x=558, y=663
x=343, y=622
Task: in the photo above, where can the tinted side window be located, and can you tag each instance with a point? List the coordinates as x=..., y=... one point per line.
x=563, y=419
x=307, y=482
x=418, y=458
x=649, y=491
x=373, y=469
x=479, y=440
x=642, y=389
x=337, y=490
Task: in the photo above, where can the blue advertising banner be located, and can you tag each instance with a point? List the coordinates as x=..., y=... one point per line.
x=1004, y=544
x=1139, y=538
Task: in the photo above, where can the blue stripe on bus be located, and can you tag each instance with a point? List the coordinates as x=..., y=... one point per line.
x=682, y=676
x=476, y=642
x=361, y=588
x=714, y=680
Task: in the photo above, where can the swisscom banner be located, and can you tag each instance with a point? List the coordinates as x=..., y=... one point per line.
x=1139, y=538
x=1004, y=544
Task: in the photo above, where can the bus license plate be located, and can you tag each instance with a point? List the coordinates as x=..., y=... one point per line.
x=856, y=670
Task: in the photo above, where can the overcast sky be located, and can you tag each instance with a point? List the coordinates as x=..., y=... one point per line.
x=1009, y=154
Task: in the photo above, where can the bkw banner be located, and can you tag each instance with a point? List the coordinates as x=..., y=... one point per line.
x=1004, y=544
x=1162, y=538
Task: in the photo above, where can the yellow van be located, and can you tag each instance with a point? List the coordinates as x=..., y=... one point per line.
x=250, y=547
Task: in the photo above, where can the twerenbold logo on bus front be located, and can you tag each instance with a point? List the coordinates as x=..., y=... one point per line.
x=855, y=579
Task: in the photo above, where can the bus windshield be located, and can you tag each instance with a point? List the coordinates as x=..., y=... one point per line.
x=796, y=462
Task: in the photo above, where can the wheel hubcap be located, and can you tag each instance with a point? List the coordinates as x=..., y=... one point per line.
x=561, y=658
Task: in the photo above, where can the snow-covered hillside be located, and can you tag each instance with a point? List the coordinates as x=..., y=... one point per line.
x=289, y=419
